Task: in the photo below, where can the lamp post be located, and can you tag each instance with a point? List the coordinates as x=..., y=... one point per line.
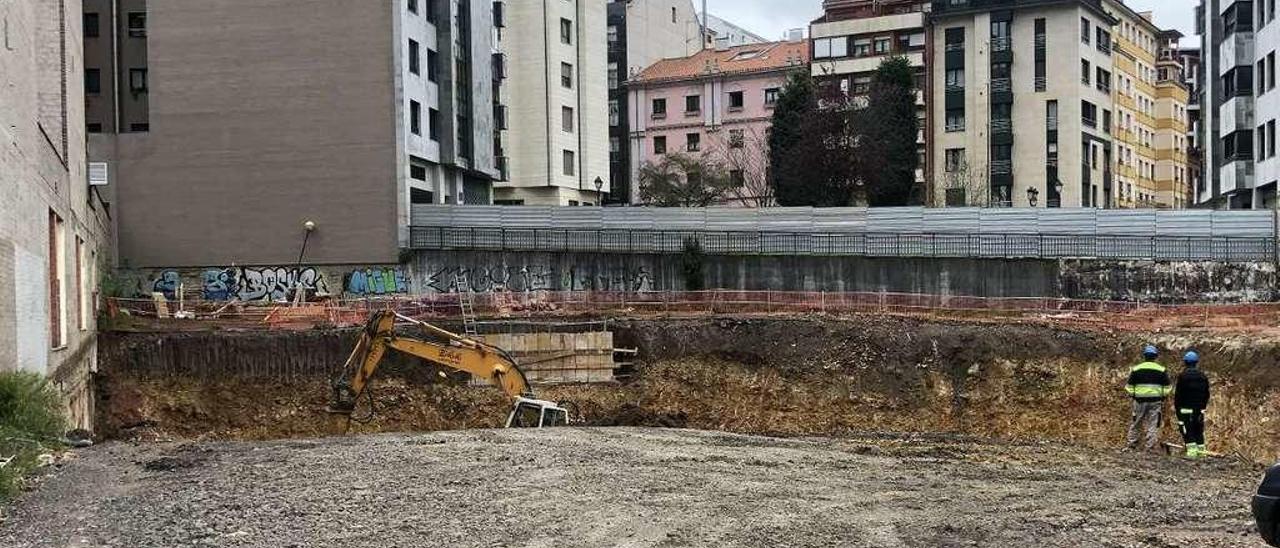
x=599, y=197
x=1033, y=196
x=307, y=228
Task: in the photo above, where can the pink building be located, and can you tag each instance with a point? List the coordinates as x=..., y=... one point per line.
x=717, y=103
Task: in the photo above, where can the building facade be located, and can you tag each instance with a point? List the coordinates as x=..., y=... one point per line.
x=1133, y=77
x=1192, y=74
x=1228, y=111
x=640, y=34
x=1021, y=119
x=556, y=91
x=724, y=34
x=1173, y=150
x=853, y=37
x=55, y=226
x=226, y=140
x=716, y=104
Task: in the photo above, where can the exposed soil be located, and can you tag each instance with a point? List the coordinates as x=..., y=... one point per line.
x=591, y=487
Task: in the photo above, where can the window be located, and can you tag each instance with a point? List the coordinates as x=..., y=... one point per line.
x=1085, y=70
x=566, y=75
x=613, y=76
x=826, y=48
x=417, y=172
x=659, y=145
x=615, y=145
x=80, y=311
x=954, y=159
x=861, y=47
x=1262, y=141
x=881, y=46
x=737, y=178
x=673, y=15
x=137, y=24
x=1104, y=41
x=1104, y=80
x=56, y=323
x=1271, y=70
x=956, y=197
x=614, y=112
x=415, y=61
x=736, y=100
x=92, y=81
x=415, y=117
x=955, y=119
x=1084, y=30
x=1106, y=120
x=659, y=108
x=737, y=138
x=1271, y=139
x=569, y=163
x=433, y=61
x=693, y=142
x=1089, y=114
x=413, y=6
x=1262, y=80
x=1051, y=115
x=692, y=104
x=566, y=31
x=93, y=127
x=91, y=25
x=955, y=38
x=770, y=97
x=433, y=124
x=613, y=34
x=139, y=128
x=955, y=78
x=138, y=80
x=1237, y=18
x=566, y=119
x=431, y=11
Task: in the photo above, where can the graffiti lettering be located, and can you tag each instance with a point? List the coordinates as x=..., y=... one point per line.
x=534, y=278
x=376, y=281
x=167, y=283
x=219, y=284
x=279, y=284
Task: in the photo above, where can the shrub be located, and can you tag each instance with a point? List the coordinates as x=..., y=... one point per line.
x=31, y=423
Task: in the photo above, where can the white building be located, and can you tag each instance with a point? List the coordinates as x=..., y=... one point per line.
x=556, y=92
x=723, y=34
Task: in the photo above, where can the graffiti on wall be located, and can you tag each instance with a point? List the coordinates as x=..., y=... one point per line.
x=497, y=279
x=247, y=284
x=365, y=282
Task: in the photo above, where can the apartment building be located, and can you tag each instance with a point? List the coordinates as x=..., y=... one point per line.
x=557, y=138
x=225, y=139
x=1173, y=148
x=55, y=224
x=1266, y=40
x=1133, y=77
x=640, y=34
x=1192, y=72
x=853, y=37
x=717, y=104
x=724, y=34
x=1230, y=52
x=1022, y=119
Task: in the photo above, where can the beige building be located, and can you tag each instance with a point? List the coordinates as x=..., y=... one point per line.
x=557, y=139
x=1174, y=187
x=54, y=224
x=853, y=37
x=225, y=138
x=1018, y=112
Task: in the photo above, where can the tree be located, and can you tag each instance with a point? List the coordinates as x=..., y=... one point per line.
x=797, y=101
x=682, y=180
x=746, y=157
x=964, y=185
x=891, y=126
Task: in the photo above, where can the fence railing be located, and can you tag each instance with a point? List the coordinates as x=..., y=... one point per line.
x=871, y=244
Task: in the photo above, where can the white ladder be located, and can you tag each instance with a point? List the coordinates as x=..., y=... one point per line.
x=467, y=303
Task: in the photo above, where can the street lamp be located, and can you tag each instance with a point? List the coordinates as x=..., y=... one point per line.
x=599, y=197
x=1033, y=196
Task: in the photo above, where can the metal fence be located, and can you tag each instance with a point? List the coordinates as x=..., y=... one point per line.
x=869, y=244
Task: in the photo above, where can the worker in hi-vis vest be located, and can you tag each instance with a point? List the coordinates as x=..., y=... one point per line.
x=1189, y=401
x=1148, y=386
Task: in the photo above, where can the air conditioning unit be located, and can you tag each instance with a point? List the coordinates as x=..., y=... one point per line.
x=99, y=175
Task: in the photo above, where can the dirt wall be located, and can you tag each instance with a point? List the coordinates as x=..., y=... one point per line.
x=777, y=376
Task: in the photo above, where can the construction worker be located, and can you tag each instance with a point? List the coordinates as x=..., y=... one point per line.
x=1189, y=400
x=1148, y=386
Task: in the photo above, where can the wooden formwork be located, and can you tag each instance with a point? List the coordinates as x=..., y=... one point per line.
x=557, y=358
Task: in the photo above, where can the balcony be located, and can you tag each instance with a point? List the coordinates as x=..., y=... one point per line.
x=1001, y=43
x=1001, y=85
x=1001, y=125
x=1052, y=123
x=1002, y=167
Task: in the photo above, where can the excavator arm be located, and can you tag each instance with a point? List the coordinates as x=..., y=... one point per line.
x=456, y=352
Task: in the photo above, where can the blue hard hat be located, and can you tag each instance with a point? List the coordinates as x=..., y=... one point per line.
x=1191, y=357
x=1150, y=351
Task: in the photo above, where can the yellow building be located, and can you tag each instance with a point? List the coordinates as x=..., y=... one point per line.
x=1150, y=114
x=1173, y=177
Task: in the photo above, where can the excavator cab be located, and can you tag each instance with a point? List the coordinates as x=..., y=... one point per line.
x=531, y=413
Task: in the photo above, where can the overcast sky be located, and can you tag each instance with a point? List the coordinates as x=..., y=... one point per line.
x=771, y=18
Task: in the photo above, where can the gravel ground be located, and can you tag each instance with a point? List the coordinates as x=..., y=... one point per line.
x=628, y=487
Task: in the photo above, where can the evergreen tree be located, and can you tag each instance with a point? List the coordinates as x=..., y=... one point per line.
x=889, y=176
x=796, y=102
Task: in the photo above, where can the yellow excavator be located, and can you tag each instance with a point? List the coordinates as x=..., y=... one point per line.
x=454, y=352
